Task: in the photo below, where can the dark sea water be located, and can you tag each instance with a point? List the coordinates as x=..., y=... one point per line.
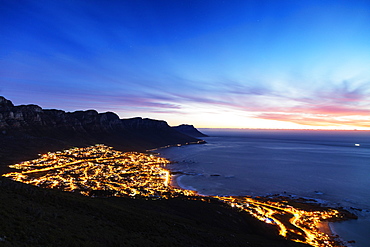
x=330, y=166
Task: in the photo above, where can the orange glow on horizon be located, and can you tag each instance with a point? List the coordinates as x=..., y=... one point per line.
x=291, y=118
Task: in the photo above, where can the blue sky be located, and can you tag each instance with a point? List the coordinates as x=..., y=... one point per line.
x=238, y=64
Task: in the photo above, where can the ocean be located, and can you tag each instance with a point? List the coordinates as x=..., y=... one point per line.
x=332, y=167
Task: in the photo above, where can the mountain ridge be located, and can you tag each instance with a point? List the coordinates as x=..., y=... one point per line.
x=26, y=130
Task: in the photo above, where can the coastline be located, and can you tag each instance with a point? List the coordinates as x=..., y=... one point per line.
x=328, y=228
x=176, y=182
x=325, y=227
x=206, y=160
x=173, y=181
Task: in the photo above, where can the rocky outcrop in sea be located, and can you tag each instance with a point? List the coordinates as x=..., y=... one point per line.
x=189, y=130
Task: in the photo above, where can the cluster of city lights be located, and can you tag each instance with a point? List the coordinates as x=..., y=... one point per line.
x=101, y=171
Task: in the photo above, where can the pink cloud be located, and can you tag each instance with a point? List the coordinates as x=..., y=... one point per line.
x=305, y=119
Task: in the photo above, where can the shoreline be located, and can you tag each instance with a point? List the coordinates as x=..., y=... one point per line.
x=173, y=180
x=327, y=227
x=324, y=226
x=331, y=198
x=309, y=205
x=176, y=182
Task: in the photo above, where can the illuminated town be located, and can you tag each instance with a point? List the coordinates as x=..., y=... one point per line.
x=101, y=171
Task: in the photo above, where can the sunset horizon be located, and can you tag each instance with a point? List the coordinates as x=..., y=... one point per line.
x=235, y=127
x=237, y=64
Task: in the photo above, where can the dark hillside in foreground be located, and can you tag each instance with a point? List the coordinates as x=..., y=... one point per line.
x=33, y=216
x=27, y=130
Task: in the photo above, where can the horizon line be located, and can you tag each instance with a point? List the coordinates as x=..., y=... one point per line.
x=225, y=128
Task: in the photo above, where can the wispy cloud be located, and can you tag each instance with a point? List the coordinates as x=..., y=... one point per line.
x=316, y=120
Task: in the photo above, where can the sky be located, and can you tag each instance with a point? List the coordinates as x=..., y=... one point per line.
x=211, y=63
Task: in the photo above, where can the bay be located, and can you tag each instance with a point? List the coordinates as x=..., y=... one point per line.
x=330, y=166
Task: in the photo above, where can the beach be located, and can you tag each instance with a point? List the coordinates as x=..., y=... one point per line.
x=324, y=226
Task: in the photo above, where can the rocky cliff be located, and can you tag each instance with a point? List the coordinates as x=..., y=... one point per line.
x=26, y=130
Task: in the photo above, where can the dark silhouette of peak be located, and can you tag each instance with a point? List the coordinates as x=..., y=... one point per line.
x=189, y=130
x=4, y=103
